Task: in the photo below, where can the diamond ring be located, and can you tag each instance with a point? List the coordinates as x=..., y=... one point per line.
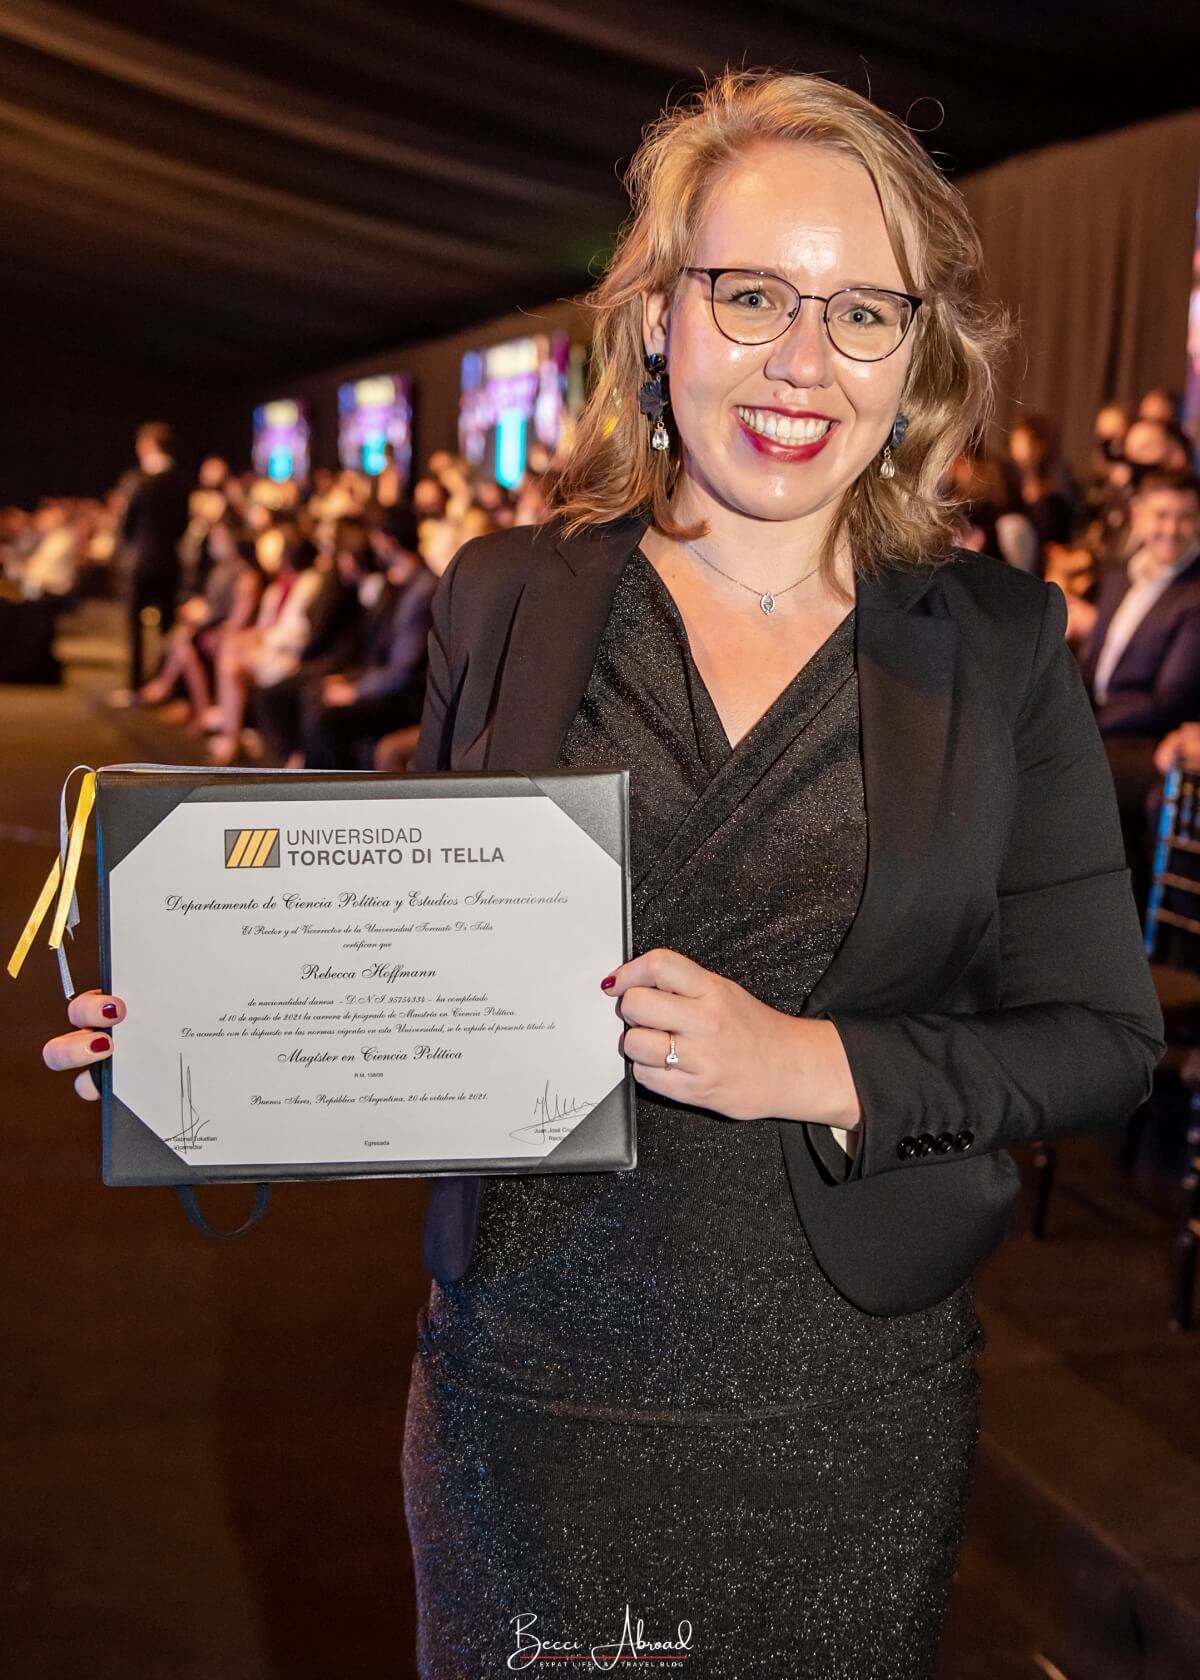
x=670, y=1058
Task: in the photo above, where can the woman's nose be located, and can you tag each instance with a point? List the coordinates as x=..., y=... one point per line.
x=803, y=354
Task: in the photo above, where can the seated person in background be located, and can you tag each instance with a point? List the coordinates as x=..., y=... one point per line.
x=232, y=592
x=335, y=620
x=1108, y=449
x=387, y=690
x=51, y=566
x=1044, y=483
x=429, y=499
x=1072, y=566
x=1141, y=663
x=205, y=507
x=39, y=575
x=1142, y=660
x=270, y=648
x=995, y=524
x=1148, y=446
x=1159, y=404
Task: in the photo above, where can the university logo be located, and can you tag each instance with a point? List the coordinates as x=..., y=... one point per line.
x=252, y=848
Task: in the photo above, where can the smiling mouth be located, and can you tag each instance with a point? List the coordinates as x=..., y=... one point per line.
x=767, y=422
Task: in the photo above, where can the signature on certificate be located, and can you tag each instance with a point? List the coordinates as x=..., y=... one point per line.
x=191, y=1128
x=554, y=1118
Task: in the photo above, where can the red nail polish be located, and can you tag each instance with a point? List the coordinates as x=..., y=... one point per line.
x=610, y=981
x=109, y=1010
x=99, y=1044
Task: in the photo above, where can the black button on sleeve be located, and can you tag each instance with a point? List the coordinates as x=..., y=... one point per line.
x=906, y=1147
x=926, y=1143
x=943, y=1141
x=964, y=1139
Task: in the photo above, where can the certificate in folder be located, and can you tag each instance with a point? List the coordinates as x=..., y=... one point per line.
x=345, y=976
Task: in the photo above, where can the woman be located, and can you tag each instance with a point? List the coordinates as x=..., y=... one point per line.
x=268, y=650
x=1036, y=453
x=232, y=592
x=736, y=1386
x=726, y=1401
x=993, y=524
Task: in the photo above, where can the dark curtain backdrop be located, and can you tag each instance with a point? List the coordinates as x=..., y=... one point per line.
x=1090, y=243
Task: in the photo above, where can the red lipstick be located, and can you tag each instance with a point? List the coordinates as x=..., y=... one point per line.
x=778, y=451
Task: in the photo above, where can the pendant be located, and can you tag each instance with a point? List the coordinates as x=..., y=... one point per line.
x=768, y=603
x=658, y=437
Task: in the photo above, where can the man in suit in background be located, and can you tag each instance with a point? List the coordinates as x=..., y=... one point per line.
x=386, y=691
x=156, y=517
x=1141, y=663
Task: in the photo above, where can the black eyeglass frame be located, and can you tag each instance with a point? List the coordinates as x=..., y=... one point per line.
x=714, y=274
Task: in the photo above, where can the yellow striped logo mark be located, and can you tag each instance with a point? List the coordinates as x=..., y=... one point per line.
x=252, y=848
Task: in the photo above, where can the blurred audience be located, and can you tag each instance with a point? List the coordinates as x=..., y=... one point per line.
x=289, y=623
x=292, y=620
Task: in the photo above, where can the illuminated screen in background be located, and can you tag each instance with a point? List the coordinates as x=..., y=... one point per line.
x=371, y=414
x=281, y=438
x=1191, y=399
x=513, y=395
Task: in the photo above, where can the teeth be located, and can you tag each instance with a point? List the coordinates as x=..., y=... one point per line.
x=782, y=428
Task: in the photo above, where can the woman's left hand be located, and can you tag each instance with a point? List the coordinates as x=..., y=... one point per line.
x=737, y=1055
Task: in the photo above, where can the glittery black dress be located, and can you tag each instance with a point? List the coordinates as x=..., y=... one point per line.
x=644, y=1392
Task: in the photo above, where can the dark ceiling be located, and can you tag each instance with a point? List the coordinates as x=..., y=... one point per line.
x=230, y=188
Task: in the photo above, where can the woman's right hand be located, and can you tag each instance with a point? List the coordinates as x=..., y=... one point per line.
x=95, y=1013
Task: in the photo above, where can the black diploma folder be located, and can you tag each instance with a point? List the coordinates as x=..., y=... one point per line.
x=132, y=801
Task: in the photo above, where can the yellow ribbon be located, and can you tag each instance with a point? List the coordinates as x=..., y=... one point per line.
x=61, y=879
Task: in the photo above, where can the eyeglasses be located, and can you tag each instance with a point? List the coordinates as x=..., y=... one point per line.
x=865, y=323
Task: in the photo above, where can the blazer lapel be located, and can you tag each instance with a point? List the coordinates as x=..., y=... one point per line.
x=556, y=631
x=906, y=674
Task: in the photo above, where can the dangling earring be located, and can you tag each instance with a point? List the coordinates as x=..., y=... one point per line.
x=887, y=467
x=652, y=400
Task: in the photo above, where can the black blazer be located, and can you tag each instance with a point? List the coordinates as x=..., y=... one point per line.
x=1155, y=685
x=992, y=987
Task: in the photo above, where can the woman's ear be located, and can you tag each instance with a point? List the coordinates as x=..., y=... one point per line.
x=656, y=309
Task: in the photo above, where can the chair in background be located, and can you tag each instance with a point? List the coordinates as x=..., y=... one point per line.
x=1172, y=940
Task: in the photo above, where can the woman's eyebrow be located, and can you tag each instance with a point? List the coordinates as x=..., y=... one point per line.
x=782, y=274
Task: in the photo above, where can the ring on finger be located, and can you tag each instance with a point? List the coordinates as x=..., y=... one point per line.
x=670, y=1059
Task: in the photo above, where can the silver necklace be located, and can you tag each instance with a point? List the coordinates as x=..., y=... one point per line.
x=765, y=600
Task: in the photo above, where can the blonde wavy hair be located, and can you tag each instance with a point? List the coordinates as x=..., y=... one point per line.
x=960, y=335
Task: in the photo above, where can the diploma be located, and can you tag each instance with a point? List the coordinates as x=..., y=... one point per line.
x=343, y=976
